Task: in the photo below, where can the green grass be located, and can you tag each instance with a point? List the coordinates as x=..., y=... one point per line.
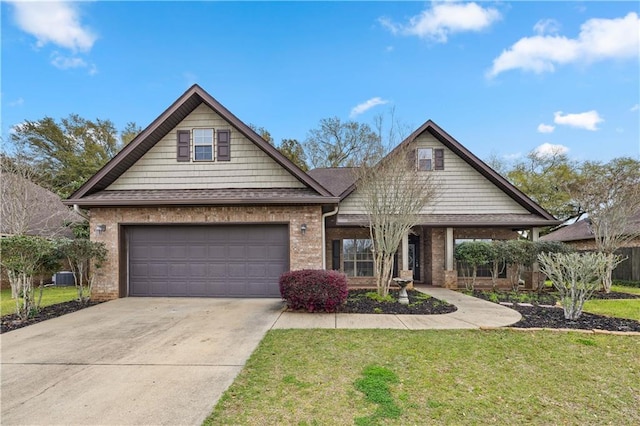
x=623, y=289
x=50, y=296
x=620, y=308
x=308, y=377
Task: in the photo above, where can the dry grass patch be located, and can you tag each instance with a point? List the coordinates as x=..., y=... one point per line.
x=307, y=377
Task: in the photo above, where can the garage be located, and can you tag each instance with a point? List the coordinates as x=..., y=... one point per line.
x=206, y=261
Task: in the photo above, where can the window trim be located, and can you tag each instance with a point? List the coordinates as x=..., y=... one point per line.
x=195, y=144
x=346, y=258
x=430, y=159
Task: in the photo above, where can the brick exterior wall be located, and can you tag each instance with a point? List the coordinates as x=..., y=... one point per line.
x=305, y=251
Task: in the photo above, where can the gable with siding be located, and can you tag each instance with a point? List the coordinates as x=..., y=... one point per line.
x=463, y=190
x=248, y=166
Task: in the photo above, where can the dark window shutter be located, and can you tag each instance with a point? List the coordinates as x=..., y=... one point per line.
x=184, y=139
x=438, y=155
x=335, y=255
x=412, y=160
x=224, y=145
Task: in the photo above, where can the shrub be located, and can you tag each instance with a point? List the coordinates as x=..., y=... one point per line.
x=314, y=290
x=575, y=275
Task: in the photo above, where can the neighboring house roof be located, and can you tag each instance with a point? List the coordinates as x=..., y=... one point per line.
x=486, y=171
x=33, y=210
x=336, y=179
x=89, y=193
x=581, y=230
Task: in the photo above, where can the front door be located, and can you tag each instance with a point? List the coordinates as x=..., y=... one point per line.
x=414, y=256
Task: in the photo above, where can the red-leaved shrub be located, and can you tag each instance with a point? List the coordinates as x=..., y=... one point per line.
x=314, y=289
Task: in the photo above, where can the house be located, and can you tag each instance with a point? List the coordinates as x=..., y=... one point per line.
x=199, y=205
x=580, y=236
x=29, y=209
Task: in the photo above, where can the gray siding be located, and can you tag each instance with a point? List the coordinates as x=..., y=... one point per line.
x=462, y=189
x=249, y=167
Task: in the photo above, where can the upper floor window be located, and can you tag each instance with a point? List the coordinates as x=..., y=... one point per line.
x=203, y=144
x=425, y=159
x=429, y=159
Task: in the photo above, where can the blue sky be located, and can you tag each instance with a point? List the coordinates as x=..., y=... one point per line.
x=503, y=78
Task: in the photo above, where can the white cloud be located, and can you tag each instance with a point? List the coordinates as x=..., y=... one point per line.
x=546, y=128
x=54, y=22
x=546, y=26
x=444, y=18
x=584, y=120
x=67, y=62
x=17, y=103
x=634, y=108
x=550, y=150
x=367, y=105
x=599, y=39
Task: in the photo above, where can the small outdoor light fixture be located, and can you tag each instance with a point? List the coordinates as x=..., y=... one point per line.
x=101, y=228
x=303, y=228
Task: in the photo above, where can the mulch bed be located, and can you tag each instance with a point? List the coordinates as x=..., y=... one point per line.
x=12, y=322
x=358, y=303
x=552, y=316
x=542, y=317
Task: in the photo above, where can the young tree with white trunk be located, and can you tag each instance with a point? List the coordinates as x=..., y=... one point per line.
x=394, y=194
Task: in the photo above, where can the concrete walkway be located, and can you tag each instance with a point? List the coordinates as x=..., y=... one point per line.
x=472, y=313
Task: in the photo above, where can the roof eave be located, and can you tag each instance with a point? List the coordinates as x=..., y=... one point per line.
x=92, y=203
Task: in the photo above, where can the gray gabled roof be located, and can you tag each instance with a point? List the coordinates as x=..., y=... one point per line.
x=480, y=166
x=166, y=122
x=581, y=230
x=33, y=208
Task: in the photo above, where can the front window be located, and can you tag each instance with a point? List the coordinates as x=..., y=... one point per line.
x=425, y=159
x=357, y=258
x=203, y=144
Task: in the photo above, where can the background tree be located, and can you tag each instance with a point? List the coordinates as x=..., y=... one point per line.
x=544, y=178
x=130, y=131
x=342, y=144
x=67, y=153
x=471, y=255
x=393, y=195
x=262, y=132
x=292, y=149
x=610, y=195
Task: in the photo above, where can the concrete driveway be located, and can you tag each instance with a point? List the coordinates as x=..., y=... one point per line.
x=132, y=361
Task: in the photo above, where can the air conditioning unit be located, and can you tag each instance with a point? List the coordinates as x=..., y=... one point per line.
x=63, y=278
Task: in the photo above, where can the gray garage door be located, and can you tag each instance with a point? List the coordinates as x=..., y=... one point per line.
x=207, y=261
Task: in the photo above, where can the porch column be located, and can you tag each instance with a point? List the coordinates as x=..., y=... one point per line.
x=535, y=279
x=448, y=263
x=405, y=252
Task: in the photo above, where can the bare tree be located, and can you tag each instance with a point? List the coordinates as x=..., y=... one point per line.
x=610, y=195
x=342, y=144
x=393, y=194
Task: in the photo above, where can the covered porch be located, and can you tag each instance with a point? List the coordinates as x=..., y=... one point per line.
x=425, y=254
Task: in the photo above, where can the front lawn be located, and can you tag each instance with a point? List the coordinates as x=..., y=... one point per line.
x=626, y=308
x=307, y=377
x=50, y=296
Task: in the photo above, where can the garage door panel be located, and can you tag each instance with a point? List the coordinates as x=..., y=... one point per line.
x=207, y=261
